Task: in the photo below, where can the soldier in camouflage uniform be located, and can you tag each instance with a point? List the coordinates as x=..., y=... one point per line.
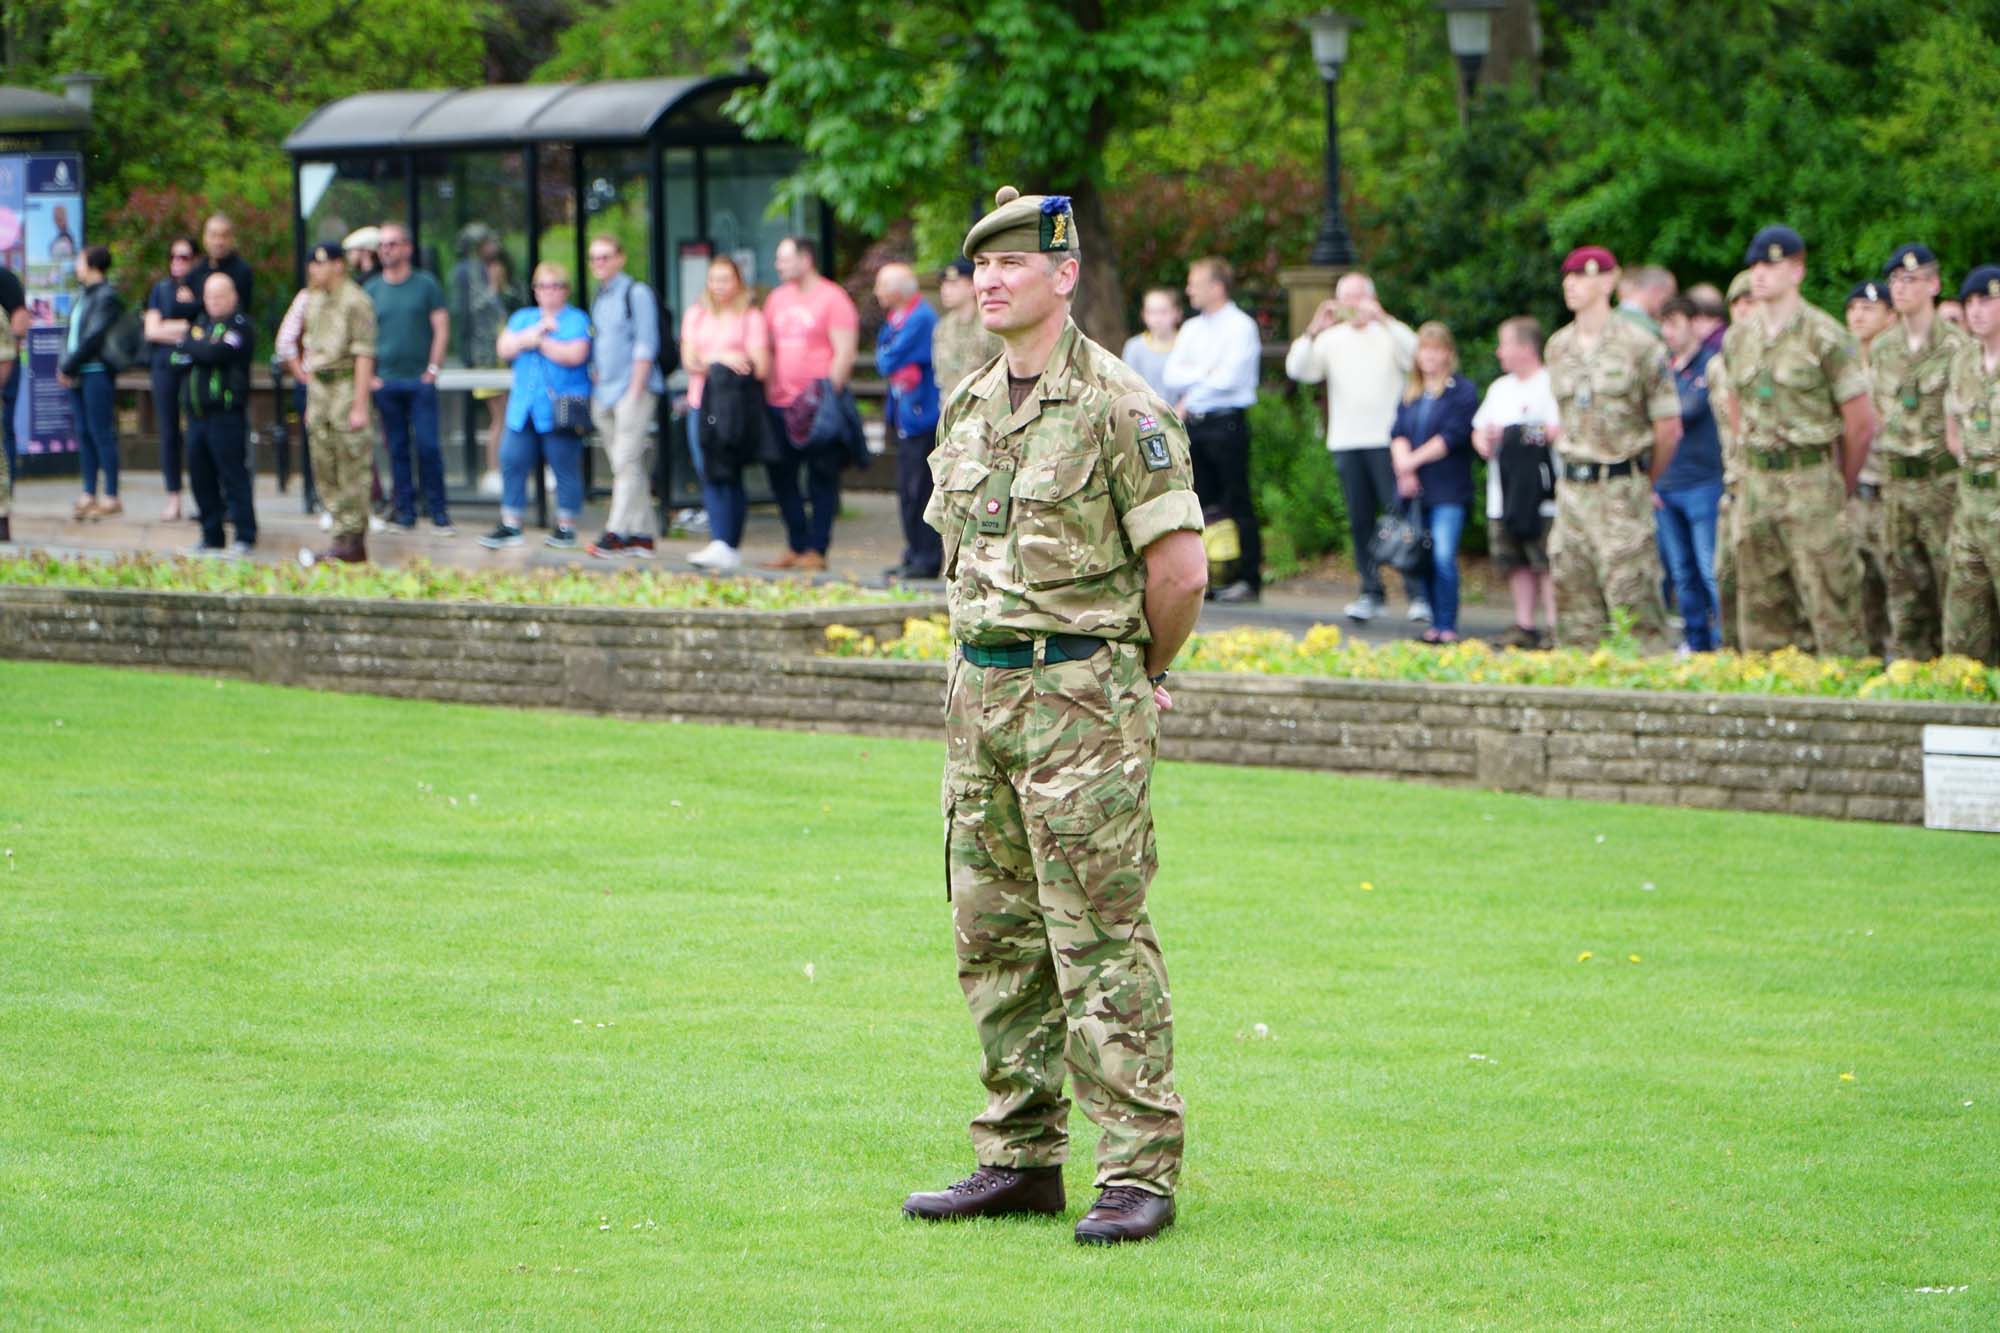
x=1799, y=391
x=1972, y=423
x=1615, y=389
x=961, y=343
x=1868, y=314
x=1720, y=398
x=338, y=350
x=1073, y=560
x=1909, y=366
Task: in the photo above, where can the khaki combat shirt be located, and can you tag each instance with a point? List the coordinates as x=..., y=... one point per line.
x=1089, y=472
x=1791, y=384
x=340, y=326
x=1972, y=396
x=1909, y=387
x=960, y=345
x=1611, y=395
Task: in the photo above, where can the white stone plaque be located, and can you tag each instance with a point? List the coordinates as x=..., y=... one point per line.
x=1962, y=778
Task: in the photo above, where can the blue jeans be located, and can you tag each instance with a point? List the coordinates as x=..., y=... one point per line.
x=1447, y=525
x=727, y=503
x=10, y=393
x=1686, y=525
x=521, y=452
x=409, y=411
x=805, y=532
x=96, y=430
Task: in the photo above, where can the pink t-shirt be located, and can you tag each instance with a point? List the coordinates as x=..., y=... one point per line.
x=717, y=336
x=802, y=324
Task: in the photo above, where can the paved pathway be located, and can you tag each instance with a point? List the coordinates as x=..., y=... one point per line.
x=866, y=541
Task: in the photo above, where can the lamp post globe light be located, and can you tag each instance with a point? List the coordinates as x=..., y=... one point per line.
x=1468, y=30
x=1328, y=31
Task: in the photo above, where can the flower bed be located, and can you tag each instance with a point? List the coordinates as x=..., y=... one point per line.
x=1324, y=651
x=421, y=581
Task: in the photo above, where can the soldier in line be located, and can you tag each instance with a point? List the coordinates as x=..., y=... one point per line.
x=1074, y=568
x=1720, y=397
x=1800, y=393
x=338, y=356
x=1909, y=367
x=1868, y=313
x=961, y=343
x=1621, y=419
x=1972, y=426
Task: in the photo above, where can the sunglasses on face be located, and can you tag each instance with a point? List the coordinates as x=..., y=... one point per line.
x=180, y=254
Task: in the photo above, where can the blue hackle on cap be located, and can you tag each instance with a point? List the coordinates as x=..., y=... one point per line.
x=1055, y=203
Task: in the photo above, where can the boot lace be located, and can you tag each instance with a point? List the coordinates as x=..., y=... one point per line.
x=983, y=1178
x=1120, y=1199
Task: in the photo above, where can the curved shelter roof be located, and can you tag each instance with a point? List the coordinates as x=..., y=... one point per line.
x=618, y=109
x=30, y=111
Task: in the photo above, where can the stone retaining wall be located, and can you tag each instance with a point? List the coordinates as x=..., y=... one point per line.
x=1839, y=758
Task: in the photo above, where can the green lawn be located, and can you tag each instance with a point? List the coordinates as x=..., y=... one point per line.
x=294, y=1031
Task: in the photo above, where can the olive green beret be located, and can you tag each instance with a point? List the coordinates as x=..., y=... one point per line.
x=1042, y=223
x=1739, y=286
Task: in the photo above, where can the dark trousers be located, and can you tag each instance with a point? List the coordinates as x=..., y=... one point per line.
x=923, y=548
x=1368, y=481
x=804, y=531
x=1220, y=445
x=10, y=393
x=219, y=473
x=167, y=410
x=409, y=411
x=96, y=430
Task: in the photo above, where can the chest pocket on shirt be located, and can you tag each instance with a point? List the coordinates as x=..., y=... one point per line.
x=1064, y=528
x=1613, y=380
x=1798, y=372
x=958, y=480
x=1931, y=379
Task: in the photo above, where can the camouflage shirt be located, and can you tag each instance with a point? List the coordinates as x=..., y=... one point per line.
x=1973, y=397
x=1610, y=395
x=340, y=326
x=960, y=346
x=1791, y=384
x=1909, y=387
x=1045, y=511
x=1718, y=401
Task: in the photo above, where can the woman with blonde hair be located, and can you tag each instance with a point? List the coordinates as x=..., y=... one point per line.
x=548, y=344
x=1430, y=447
x=723, y=329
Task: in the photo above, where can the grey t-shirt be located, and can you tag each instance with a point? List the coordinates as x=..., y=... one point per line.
x=1151, y=365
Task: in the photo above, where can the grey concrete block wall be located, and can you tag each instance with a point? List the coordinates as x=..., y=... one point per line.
x=1826, y=757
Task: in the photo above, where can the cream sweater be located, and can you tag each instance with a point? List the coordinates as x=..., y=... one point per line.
x=1364, y=371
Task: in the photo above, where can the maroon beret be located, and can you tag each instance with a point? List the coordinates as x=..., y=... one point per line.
x=1591, y=259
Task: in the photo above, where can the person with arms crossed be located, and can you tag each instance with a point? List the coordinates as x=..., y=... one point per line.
x=1074, y=572
x=1512, y=431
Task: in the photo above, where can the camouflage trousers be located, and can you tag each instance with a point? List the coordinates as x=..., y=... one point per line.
x=1602, y=554
x=1798, y=577
x=1725, y=572
x=1916, y=538
x=6, y=487
x=1971, y=602
x=342, y=459
x=1864, y=528
x=1049, y=844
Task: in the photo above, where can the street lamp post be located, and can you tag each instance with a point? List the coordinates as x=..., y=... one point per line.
x=1468, y=29
x=1333, y=246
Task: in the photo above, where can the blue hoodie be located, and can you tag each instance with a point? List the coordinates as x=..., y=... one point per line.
x=904, y=342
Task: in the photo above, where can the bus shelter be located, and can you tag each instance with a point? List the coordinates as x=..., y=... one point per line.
x=492, y=181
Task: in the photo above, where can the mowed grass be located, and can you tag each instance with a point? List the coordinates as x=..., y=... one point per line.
x=296, y=1032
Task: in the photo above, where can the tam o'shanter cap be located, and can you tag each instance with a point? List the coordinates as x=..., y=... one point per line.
x=363, y=238
x=1913, y=256
x=1033, y=223
x=1590, y=259
x=1774, y=243
x=1982, y=281
x=1739, y=286
x=326, y=250
x=1870, y=290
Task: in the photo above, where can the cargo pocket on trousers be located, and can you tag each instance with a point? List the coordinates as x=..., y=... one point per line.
x=964, y=804
x=1104, y=834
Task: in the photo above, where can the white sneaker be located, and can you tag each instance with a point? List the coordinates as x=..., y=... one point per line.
x=489, y=483
x=1420, y=611
x=718, y=556
x=1362, y=609
x=326, y=520
x=375, y=523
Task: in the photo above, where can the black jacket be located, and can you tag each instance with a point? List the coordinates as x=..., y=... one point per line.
x=217, y=353
x=93, y=315
x=234, y=265
x=735, y=424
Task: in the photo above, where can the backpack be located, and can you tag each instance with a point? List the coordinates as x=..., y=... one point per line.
x=670, y=351
x=125, y=344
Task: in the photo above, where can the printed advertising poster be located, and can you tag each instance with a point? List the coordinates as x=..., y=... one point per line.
x=53, y=227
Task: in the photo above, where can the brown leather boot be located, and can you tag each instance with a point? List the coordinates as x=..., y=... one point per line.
x=6, y=528
x=357, y=549
x=992, y=1191
x=1125, y=1212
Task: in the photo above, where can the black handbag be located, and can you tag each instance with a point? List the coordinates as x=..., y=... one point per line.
x=572, y=413
x=1402, y=541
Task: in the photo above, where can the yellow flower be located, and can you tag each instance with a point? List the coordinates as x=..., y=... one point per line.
x=1631, y=957
x=841, y=634
x=1847, y=1078
x=1366, y=887
x=1585, y=956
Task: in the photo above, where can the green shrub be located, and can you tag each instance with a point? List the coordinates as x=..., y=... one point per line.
x=1292, y=480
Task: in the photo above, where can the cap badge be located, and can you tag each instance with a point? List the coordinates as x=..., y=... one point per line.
x=1776, y=252
x=1993, y=286
x=1873, y=293
x=1909, y=259
x=1056, y=222
x=1590, y=267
